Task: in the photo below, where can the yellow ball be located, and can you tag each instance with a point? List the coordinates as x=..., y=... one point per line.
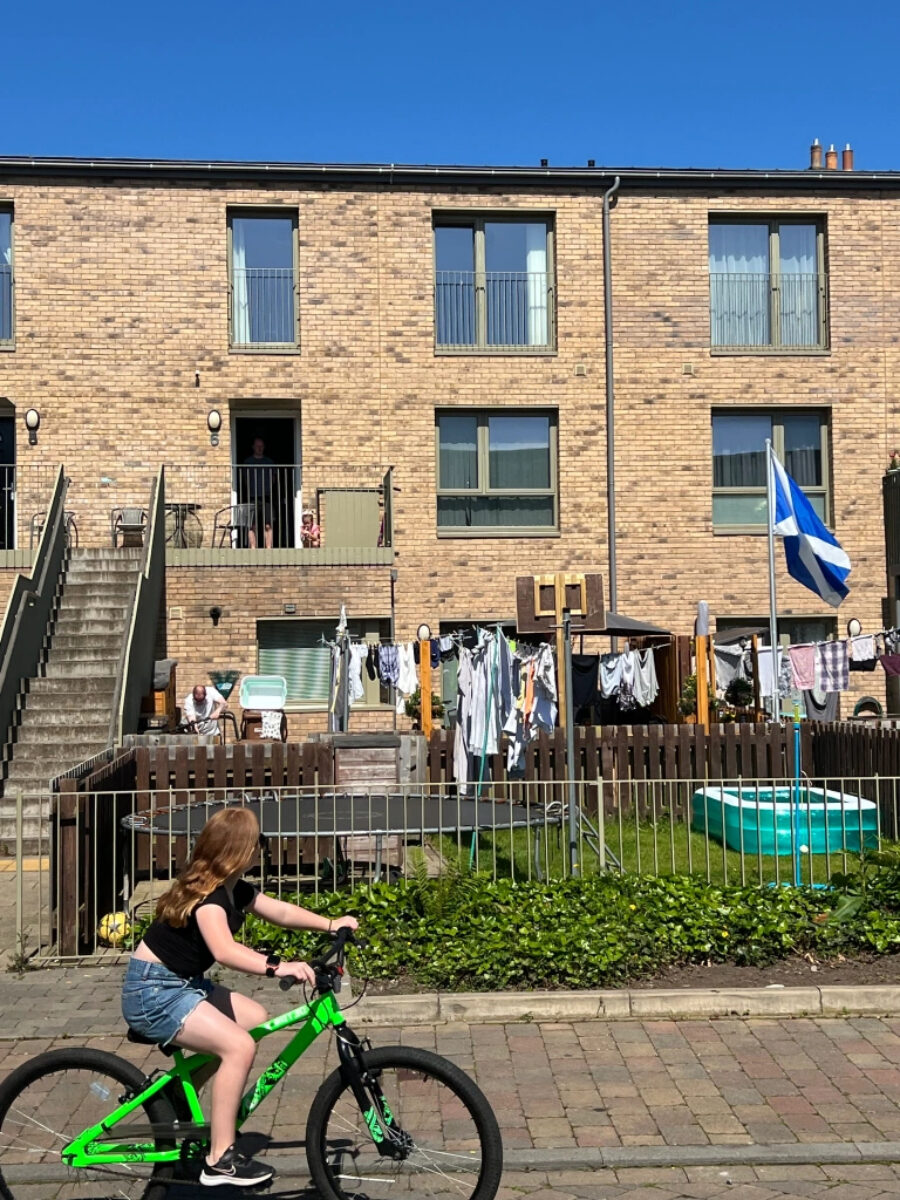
x=114, y=928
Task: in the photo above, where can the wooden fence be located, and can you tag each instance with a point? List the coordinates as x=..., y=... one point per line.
x=642, y=752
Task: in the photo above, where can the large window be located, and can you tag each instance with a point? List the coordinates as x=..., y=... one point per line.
x=496, y=472
x=295, y=650
x=800, y=439
x=767, y=285
x=6, y=276
x=263, y=266
x=493, y=286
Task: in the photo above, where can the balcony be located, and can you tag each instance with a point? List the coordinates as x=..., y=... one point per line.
x=263, y=308
x=493, y=311
x=227, y=516
x=766, y=312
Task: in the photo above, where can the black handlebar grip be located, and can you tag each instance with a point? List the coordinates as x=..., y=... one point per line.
x=286, y=982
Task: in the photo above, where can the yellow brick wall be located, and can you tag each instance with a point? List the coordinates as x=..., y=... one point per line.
x=122, y=295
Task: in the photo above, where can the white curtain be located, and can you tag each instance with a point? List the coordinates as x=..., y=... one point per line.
x=739, y=285
x=536, y=285
x=799, y=285
x=240, y=291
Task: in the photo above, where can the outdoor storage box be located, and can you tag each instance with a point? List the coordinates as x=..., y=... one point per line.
x=258, y=694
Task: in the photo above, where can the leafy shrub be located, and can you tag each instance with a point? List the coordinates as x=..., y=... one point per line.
x=468, y=932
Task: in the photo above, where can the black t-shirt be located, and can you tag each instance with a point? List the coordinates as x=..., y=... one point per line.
x=183, y=949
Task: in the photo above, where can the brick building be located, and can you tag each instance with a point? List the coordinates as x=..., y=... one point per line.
x=422, y=352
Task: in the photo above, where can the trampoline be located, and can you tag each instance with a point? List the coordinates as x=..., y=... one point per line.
x=341, y=815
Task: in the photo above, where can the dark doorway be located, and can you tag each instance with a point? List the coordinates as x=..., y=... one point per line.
x=7, y=482
x=270, y=490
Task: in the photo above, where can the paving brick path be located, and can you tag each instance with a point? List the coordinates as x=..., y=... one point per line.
x=567, y=1085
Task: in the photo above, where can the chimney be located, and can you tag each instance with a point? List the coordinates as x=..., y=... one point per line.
x=847, y=158
x=831, y=158
x=815, y=155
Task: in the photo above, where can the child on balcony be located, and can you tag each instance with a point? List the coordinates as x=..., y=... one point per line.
x=310, y=533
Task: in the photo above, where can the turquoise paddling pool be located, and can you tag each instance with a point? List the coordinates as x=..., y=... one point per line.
x=759, y=819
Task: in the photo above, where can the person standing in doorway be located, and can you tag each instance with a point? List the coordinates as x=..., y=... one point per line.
x=258, y=482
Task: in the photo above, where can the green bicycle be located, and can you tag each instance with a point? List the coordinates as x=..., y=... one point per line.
x=384, y=1118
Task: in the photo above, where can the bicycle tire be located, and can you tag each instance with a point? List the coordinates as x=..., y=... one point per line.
x=149, y=1183
x=335, y=1091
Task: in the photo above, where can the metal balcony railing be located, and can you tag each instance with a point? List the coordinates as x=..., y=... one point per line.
x=263, y=306
x=6, y=296
x=494, y=309
x=767, y=310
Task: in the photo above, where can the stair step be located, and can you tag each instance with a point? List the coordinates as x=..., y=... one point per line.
x=76, y=733
x=87, y=639
x=119, y=553
x=73, y=614
x=72, y=669
x=38, y=716
x=97, y=690
x=64, y=756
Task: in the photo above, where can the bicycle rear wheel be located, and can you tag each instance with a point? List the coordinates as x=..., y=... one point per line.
x=442, y=1137
x=54, y=1097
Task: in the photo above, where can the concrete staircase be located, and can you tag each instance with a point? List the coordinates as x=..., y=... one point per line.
x=64, y=714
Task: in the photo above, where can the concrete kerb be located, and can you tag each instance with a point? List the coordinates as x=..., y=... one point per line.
x=616, y=1158
x=639, y=1004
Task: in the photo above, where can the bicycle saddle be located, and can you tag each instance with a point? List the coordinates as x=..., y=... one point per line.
x=138, y=1038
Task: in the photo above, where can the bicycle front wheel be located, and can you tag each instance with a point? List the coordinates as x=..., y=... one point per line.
x=426, y=1127
x=49, y=1100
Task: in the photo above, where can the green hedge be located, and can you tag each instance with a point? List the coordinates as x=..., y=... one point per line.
x=468, y=933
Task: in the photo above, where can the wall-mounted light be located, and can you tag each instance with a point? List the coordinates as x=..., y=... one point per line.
x=423, y=633
x=215, y=613
x=854, y=628
x=32, y=424
x=214, y=424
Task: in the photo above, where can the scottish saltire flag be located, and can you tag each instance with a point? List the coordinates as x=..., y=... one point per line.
x=814, y=555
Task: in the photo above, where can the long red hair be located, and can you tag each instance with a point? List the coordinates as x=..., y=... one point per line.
x=227, y=844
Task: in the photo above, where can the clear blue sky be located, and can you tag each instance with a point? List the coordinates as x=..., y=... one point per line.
x=679, y=83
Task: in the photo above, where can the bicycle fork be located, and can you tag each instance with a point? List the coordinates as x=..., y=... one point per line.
x=388, y=1137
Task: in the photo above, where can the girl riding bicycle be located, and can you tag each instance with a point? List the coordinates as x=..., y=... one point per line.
x=167, y=998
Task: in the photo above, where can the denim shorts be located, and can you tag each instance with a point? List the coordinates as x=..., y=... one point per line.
x=156, y=1002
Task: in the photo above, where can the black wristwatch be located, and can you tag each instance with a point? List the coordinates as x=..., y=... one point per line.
x=273, y=961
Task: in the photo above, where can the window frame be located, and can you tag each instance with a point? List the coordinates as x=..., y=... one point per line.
x=775, y=221
x=774, y=412
x=8, y=208
x=482, y=448
x=264, y=213
x=368, y=628
x=784, y=619
x=477, y=219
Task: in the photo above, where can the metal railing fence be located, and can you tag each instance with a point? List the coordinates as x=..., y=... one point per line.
x=764, y=309
x=6, y=303
x=263, y=306
x=494, y=308
x=106, y=852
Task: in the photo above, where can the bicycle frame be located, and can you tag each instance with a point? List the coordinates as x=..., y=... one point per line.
x=93, y=1148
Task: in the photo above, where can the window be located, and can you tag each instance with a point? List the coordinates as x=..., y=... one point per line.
x=496, y=472
x=262, y=257
x=792, y=631
x=6, y=277
x=800, y=439
x=294, y=649
x=767, y=285
x=493, y=285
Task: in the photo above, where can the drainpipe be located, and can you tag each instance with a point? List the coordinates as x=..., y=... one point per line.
x=610, y=404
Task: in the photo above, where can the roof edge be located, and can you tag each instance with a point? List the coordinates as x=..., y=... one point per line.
x=409, y=174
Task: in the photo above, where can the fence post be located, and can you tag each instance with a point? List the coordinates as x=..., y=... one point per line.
x=20, y=896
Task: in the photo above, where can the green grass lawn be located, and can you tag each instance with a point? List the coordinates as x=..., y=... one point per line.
x=651, y=846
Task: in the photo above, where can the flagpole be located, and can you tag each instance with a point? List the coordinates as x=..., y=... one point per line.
x=773, y=608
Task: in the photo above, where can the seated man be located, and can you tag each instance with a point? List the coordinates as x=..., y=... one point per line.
x=202, y=708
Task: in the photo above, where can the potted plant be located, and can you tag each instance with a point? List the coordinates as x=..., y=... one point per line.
x=413, y=707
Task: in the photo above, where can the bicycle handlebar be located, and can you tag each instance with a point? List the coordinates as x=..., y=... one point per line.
x=329, y=964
